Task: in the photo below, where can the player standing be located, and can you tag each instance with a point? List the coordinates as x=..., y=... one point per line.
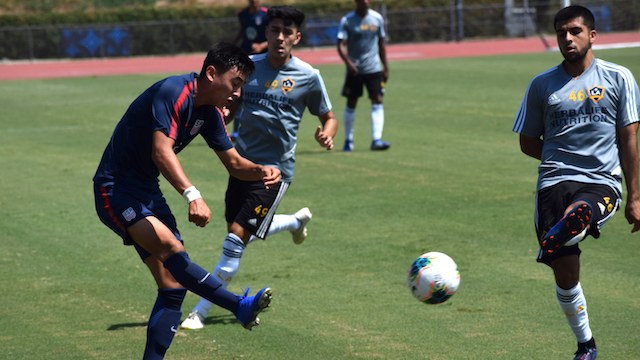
x=158, y=125
x=581, y=120
x=274, y=99
x=253, y=21
x=361, y=45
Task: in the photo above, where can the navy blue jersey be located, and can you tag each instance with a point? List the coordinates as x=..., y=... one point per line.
x=167, y=105
x=253, y=27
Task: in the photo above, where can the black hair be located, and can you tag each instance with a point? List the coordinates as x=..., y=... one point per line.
x=224, y=56
x=289, y=14
x=573, y=12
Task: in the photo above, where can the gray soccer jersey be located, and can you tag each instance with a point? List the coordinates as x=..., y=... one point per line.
x=362, y=35
x=578, y=120
x=273, y=103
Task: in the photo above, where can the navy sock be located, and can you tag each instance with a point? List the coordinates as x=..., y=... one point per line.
x=163, y=322
x=200, y=282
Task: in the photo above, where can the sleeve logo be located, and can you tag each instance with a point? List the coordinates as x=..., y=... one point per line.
x=596, y=93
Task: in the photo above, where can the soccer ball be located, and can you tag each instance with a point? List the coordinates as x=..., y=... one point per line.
x=433, y=278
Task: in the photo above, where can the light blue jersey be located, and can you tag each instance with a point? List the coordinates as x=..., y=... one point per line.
x=362, y=36
x=578, y=120
x=273, y=103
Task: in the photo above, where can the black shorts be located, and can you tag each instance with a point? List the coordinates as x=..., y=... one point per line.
x=551, y=202
x=252, y=205
x=353, y=85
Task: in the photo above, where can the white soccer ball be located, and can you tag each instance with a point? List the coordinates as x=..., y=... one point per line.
x=433, y=278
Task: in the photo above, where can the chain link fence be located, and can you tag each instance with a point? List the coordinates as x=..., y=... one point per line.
x=449, y=23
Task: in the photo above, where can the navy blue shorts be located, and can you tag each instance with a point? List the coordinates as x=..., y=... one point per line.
x=353, y=85
x=552, y=201
x=119, y=207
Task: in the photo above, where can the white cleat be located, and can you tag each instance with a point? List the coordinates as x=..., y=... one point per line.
x=303, y=215
x=195, y=320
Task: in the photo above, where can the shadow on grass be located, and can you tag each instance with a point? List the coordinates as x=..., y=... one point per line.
x=212, y=320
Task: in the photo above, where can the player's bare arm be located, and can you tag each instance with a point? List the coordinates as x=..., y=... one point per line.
x=325, y=133
x=169, y=165
x=344, y=55
x=531, y=146
x=383, y=57
x=628, y=149
x=244, y=169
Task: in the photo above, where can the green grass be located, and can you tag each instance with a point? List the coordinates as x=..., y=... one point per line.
x=454, y=181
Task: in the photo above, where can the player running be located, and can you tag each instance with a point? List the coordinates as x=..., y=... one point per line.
x=274, y=99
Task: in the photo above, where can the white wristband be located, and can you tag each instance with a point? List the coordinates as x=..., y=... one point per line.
x=191, y=194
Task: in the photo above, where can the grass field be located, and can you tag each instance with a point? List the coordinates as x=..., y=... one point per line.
x=453, y=181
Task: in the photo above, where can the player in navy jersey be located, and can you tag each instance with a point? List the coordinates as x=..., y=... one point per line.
x=361, y=45
x=253, y=22
x=274, y=100
x=158, y=125
x=580, y=119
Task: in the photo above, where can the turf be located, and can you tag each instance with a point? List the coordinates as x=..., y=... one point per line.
x=453, y=181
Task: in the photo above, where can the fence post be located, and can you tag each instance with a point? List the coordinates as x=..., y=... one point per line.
x=31, y=52
x=460, y=21
x=171, y=49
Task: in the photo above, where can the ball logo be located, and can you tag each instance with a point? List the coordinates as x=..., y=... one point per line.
x=251, y=32
x=596, y=93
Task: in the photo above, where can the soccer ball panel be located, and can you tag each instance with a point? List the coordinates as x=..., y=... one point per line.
x=433, y=278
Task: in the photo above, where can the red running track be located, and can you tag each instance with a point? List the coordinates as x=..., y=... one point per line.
x=43, y=69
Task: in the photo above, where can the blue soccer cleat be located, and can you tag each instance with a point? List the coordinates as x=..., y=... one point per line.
x=567, y=228
x=379, y=145
x=251, y=306
x=586, y=353
x=348, y=145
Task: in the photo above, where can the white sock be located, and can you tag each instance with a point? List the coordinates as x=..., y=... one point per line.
x=349, y=120
x=226, y=269
x=574, y=306
x=377, y=121
x=281, y=223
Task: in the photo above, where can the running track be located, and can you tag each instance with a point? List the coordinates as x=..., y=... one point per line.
x=46, y=69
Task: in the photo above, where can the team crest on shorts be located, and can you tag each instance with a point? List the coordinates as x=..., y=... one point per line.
x=596, y=93
x=287, y=84
x=129, y=214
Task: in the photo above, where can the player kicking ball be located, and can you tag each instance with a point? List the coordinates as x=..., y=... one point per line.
x=274, y=99
x=580, y=119
x=157, y=126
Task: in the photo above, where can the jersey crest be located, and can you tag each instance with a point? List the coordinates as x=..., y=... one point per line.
x=287, y=84
x=596, y=93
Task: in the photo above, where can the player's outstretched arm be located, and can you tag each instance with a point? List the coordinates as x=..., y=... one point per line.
x=243, y=169
x=628, y=149
x=325, y=133
x=169, y=166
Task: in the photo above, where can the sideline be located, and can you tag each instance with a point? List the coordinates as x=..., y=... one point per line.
x=48, y=69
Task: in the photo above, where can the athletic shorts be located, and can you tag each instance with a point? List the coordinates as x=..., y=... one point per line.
x=551, y=202
x=252, y=205
x=119, y=207
x=353, y=85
